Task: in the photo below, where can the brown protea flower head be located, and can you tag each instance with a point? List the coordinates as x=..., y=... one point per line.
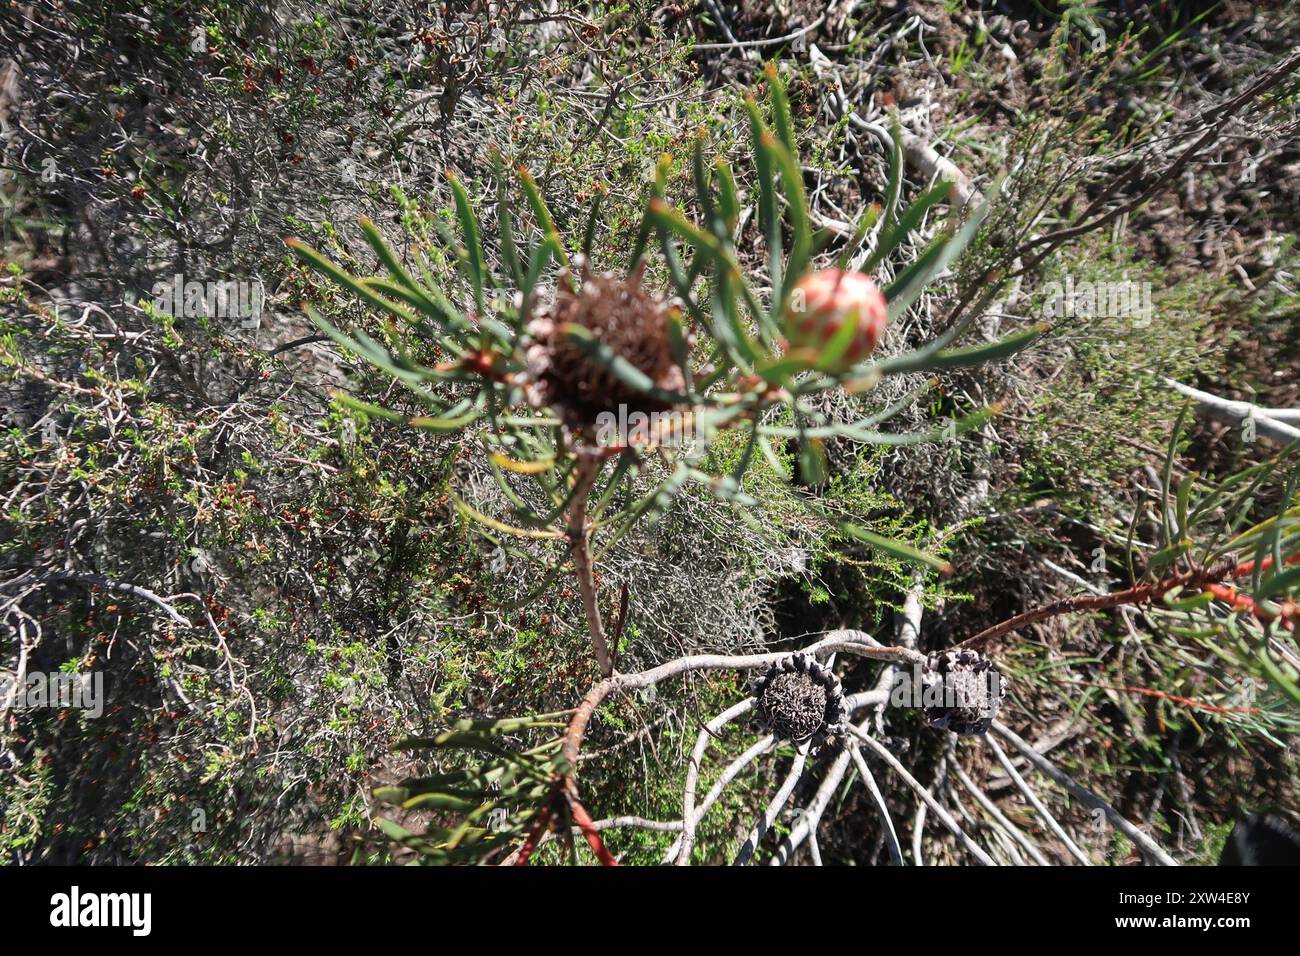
x=622, y=315
x=822, y=302
x=963, y=691
x=798, y=699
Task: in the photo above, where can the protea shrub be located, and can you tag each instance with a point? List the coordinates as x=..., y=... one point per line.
x=551, y=345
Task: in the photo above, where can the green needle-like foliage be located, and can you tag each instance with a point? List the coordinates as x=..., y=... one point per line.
x=482, y=385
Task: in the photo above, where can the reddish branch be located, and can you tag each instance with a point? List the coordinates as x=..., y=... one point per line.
x=579, y=535
x=1247, y=604
x=1225, y=592
x=1087, y=602
x=583, y=819
x=540, y=825
x=1248, y=567
x=1185, y=701
x=1206, y=580
x=1188, y=702
x=577, y=728
x=563, y=789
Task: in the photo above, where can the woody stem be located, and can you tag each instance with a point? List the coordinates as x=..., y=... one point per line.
x=580, y=550
x=1141, y=594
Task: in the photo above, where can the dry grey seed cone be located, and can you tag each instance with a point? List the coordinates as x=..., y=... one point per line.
x=799, y=700
x=969, y=689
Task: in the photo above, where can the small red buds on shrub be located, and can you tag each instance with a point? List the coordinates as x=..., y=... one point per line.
x=823, y=301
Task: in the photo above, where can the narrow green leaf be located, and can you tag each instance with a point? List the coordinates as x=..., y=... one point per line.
x=677, y=341
x=542, y=254
x=458, y=416
x=916, y=274
x=362, y=345
x=987, y=352
x=668, y=218
x=700, y=172
x=812, y=461
x=506, y=224
x=439, y=801
x=593, y=220
x=780, y=107
x=475, y=515
x=1279, y=583
x=797, y=210
x=782, y=368
x=1167, y=556
x=911, y=218
x=473, y=242
x=624, y=370
x=318, y=262
x=865, y=222
x=387, y=256
x=903, y=298
x=776, y=464
x=543, y=214
x=897, y=549
x=1281, y=680
x=375, y=411
x=393, y=831
x=728, y=195
x=769, y=217
x=1180, y=503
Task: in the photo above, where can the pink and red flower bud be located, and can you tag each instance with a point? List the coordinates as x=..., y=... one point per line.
x=823, y=301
